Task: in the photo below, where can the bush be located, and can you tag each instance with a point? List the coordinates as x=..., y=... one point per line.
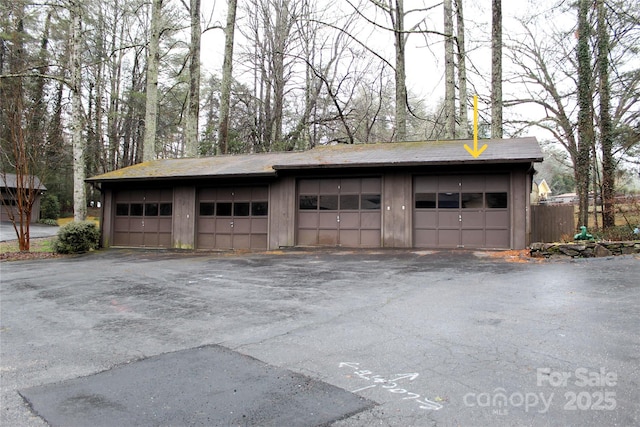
x=48, y=221
x=617, y=233
x=77, y=238
x=49, y=207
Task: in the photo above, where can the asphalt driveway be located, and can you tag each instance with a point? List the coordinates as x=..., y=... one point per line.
x=396, y=337
x=35, y=231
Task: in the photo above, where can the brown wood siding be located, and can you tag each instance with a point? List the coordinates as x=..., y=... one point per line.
x=184, y=217
x=7, y=205
x=519, y=219
x=106, y=219
x=394, y=225
x=397, y=221
x=282, y=204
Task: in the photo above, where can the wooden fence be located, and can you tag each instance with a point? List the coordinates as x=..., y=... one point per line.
x=550, y=223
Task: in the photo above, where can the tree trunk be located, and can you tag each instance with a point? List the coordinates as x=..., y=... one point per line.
x=78, y=143
x=227, y=77
x=496, y=69
x=585, y=112
x=463, y=131
x=192, y=148
x=401, y=76
x=12, y=117
x=115, y=77
x=449, y=72
x=151, y=107
x=280, y=37
x=606, y=127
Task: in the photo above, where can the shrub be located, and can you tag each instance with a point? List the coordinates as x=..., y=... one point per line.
x=49, y=207
x=617, y=233
x=77, y=237
x=48, y=221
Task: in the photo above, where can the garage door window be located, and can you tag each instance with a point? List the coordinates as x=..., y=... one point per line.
x=136, y=209
x=343, y=202
x=497, y=200
x=308, y=203
x=448, y=200
x=472, y=201
x=241, y=209
x=370, y=202
x=207, y=208
x=259, y=208
x=122, y=209
x=166, y=209
x=350, y=202
x=151, y=209
x=426, y=200
x=328, y=203
x=223, y=209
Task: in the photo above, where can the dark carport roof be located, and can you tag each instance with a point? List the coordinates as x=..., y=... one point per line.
x=10, y=180
x=519, y=150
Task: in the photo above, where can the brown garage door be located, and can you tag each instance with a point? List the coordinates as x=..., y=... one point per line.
x=470, y=211
x=143, y=218
x=233, y=218
x=339, y=212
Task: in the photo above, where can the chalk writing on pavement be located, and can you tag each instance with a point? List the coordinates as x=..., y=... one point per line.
x=396, y=384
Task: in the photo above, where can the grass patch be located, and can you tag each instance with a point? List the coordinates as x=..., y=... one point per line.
x=627, y=214
x=67, y=220
x=44, y=244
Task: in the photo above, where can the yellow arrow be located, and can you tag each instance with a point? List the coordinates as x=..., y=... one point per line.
x=475, y=152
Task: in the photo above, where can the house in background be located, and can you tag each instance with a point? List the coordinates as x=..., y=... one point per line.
x=565, y=198
x=397, y=195
x=540, y=192
x=8, y=186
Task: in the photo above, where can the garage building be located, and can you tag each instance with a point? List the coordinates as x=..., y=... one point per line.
x=400, y=195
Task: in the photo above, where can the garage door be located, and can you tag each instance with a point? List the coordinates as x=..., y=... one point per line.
x=143, y=218
x=339, y=212
x=470, y=211
x=233, y=218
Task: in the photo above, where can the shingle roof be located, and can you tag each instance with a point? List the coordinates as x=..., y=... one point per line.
x=519, y=150
x=10, y=180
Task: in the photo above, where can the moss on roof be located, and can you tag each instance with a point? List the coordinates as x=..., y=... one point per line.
x=356, y=155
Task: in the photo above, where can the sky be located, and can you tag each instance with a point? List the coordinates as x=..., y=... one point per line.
x=424, y=64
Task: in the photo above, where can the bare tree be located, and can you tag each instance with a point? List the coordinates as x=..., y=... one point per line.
x=78, y=142
x=396, y=14
x=21, y=140
x=397, y=21
x=462, y=71
x=153, y=61
x=449, y=71
x=227, y=77
x=193, y=107
x=551, y=73
x=496, y=69
x=16, y=190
